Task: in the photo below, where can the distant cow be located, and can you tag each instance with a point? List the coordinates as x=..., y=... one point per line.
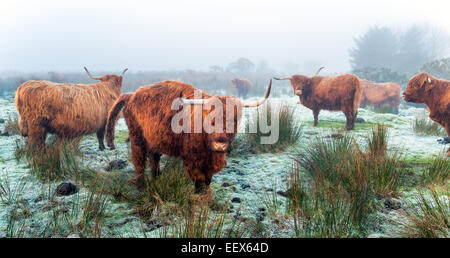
x=377, y=94
x=334, y=93
x=242, y=86
x=149, y=115
x=66, y=110
x=435, y=93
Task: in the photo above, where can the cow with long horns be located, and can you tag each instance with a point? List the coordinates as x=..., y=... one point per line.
x=150, y=116
x=433, y=92
x=242, y=86
x=335, y=93
x=66, y=110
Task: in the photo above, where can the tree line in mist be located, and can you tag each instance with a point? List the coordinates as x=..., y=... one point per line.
x=380, y=54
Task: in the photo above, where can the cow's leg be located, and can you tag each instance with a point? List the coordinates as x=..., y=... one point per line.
x=350, y=117
x=100, y=137
x=316, y=116
x=138, y=156
x=154, y=159
x=36, y=135
x=196, y=174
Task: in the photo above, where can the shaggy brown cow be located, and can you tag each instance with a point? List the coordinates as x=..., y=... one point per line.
x=148, y=115
x=377, y=94
x=334, y=93
x=435, y=93
x=242, y=86
x=66, y=110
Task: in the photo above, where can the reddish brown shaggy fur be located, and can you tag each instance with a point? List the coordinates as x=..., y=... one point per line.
x=242, y=86
x=148, y=115
x=435, y=94
x=66, y=110
x=377, y=94
x=333, y=93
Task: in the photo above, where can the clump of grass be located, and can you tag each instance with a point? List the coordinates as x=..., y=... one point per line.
x=425, y=126
x=341, y=160
x=272, y=203
x=288, y=128
x=199, y=222
x=428, y=216
x=438, y=170
x=84, y=216
x=54, y=161
x=320, y=210
x=377, y=141
x=172, y=186
x=344, y=182
x=11, y=196
x=12, y=125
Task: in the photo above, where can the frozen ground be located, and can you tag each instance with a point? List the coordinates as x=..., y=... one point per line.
x=249, y=179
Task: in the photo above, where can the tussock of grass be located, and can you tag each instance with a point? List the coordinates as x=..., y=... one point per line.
x=11, y=196
x=425, y=126
x=172, y=186
x=428, y=216
x=54, y=161
x=12, y=125
x=320, y=210
x=289, y=132
x=83, y=216
x=199, y=222
x=438, y=170
x=345, y=179
x=342, y=161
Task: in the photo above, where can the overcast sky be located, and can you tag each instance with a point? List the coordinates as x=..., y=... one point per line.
x=109, y=35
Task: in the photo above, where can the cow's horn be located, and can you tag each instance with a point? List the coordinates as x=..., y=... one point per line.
x=255, y=104
x=90, y=75
x=193, y=101
x=318, y=71
x=280, y=79
x=126, y=69
x=428, y=80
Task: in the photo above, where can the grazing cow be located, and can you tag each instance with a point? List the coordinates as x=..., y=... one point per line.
x=66, y=110
x=148, y=115
x=435, y=93
x=334, y=93
x=377, y=94
x=242, y=86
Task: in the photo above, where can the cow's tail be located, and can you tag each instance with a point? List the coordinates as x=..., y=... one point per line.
x=358, y=92
x=113, y=117
x=23, y=126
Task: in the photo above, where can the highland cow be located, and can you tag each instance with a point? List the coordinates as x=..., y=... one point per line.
x=242, y=87
x=377, y=94
x=148, y=114
x=66, y=110
x=435, y=93
x=333, y=93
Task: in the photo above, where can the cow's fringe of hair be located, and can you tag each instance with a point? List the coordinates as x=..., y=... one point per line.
x=113, y=117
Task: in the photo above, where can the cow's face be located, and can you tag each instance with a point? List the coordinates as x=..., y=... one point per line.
x=116, y=80
x=221, y=133
x=300, y=83
x=418, y=87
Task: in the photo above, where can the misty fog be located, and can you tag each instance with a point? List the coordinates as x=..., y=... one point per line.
x=285, y=36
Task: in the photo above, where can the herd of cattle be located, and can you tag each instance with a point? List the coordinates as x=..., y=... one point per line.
x=73, y=110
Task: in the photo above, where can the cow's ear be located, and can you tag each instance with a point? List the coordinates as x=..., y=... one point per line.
x=428, y=84
x=308, y=82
